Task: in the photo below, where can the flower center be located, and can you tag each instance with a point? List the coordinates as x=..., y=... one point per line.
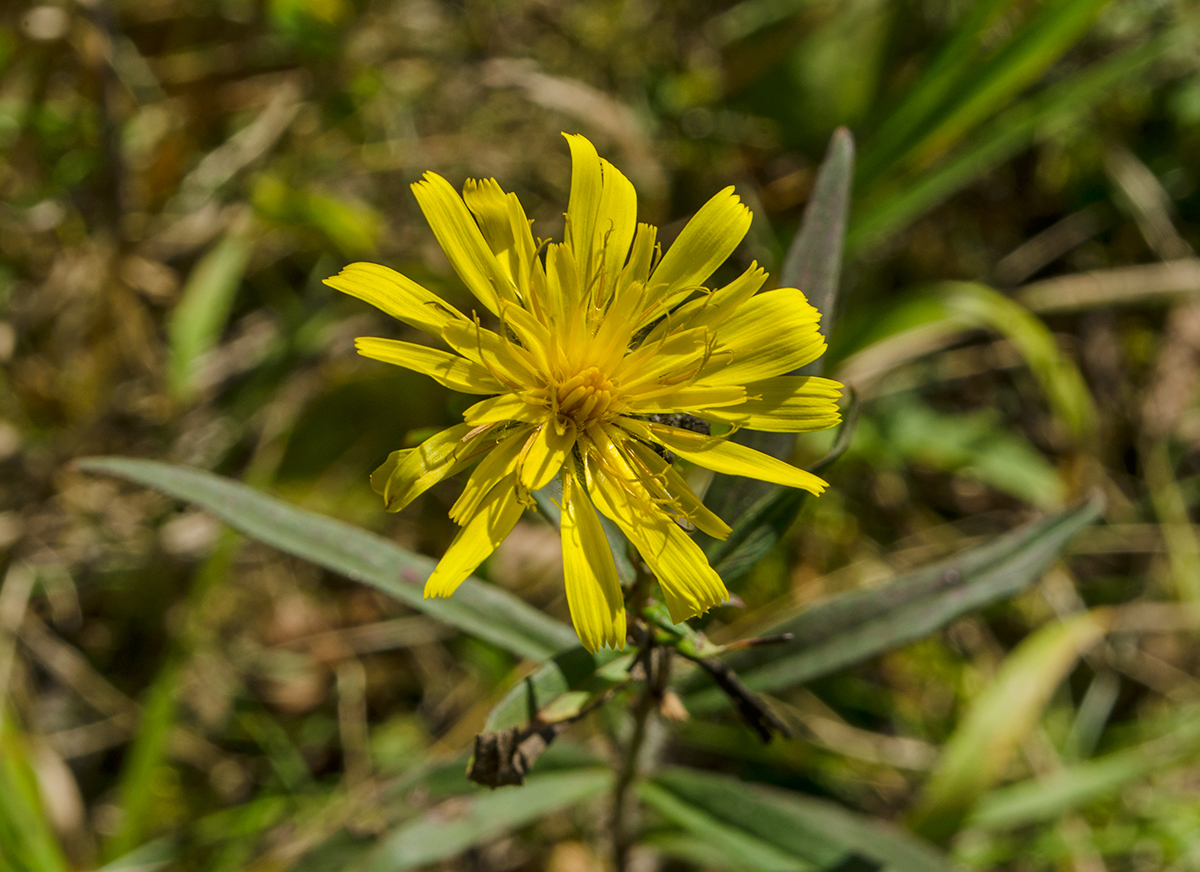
x=586, y=397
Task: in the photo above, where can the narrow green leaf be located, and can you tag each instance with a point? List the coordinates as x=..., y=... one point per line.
x=204, y=306
x=465, y=822
x=920, y=103
x=1041, y=41
x=27, y=840
x=813, y=264
x=814, y=260
x=477, y=608
x=999, y=719
x=573, y=672
x=769, y=829
x=978, y=305
x=1075, y=787
x=856, y=626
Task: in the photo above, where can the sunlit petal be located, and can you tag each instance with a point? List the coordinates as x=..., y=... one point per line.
x=721, y=455
x=487, y=528
x=456, y=373
x=397, y=295
x=593, y=591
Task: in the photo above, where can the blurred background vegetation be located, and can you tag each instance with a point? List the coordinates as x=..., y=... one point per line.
x=1020, y=318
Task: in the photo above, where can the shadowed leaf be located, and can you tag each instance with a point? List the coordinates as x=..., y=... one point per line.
x=476, y=608
x=461, y=823
x=856, y=626
x=814, y=265
x=769, y=829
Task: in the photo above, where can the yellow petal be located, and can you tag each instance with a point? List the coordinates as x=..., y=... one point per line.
x=693, y=398
x=488, y=203
x=587, y=187
x=456, y=373
x=563, y=295
x=680, y=353
x=545, y=454
x=488, y=527
x=705, y=243
x=380, y=477
x=784, y=404
x=533, y=335
x=674, y=486
x=411, y=472
x=616, y=220
x=397, y=295
x=593, y=591
x=504, y=408
x=524, y=248
x=721, y=455
x=641, y=258
x=713, y=309
x=506, y=360
x=690, y=586
x=772, y=334
x=462, y=241
x=499, y=462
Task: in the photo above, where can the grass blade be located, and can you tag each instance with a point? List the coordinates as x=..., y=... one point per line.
x=204, y=306
x=999, y=719
x=890, y=207
x=1078, y=786
x=480, y=609
x=27, y=840
x=936, y=85
x=978, y=93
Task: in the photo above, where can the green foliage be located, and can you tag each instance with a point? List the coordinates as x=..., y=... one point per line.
x=845, y=630
x=203, y=310
x=766, y=829
x=483, y=610
x=1000, y=719
x=27, y=840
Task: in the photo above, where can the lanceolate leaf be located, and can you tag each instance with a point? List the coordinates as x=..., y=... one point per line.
x=567, y=682
x=814, y=260
x=464, y=822
x=857, y=626
x=769, y=829
x=480, y=609
x=814, y=265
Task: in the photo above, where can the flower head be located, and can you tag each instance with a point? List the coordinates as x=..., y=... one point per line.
x=582, y=353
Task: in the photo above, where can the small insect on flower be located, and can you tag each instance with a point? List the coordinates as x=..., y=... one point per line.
x=583, y=352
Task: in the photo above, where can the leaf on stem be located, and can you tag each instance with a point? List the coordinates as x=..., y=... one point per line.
x=768, y=829
x=854, y=627
x=479, y=609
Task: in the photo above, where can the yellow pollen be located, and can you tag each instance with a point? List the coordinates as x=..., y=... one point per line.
x=586, y=398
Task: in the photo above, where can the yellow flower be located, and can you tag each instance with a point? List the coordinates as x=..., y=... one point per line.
x=590, y=347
